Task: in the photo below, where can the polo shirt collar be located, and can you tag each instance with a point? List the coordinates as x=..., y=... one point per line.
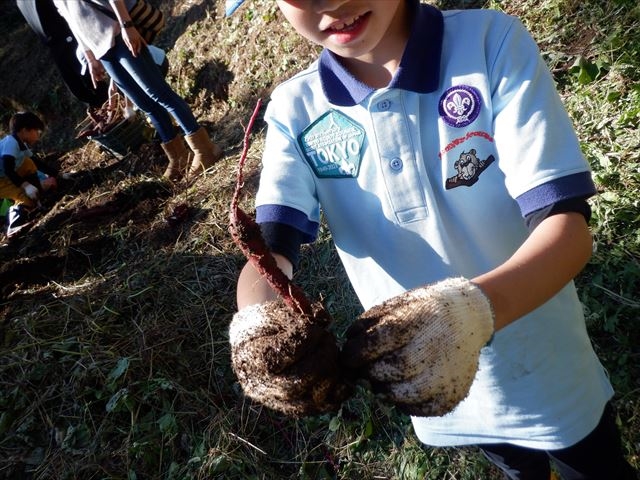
x=419, y=69
x=21, y=144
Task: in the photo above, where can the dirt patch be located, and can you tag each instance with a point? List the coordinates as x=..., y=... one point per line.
x=78, y=226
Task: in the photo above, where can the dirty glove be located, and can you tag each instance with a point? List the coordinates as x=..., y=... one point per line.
x=30, y=190
x=285, y=361
x=420, y=349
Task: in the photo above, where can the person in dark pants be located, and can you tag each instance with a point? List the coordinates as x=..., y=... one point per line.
x=44, y=19
x=113, y=47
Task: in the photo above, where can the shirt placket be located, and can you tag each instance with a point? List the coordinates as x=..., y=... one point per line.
x=397, y=162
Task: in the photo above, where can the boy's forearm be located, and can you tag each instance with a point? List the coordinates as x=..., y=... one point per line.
x=9, y=168
x=34, y=180
x=253, y=288
x=555, y=252
x=45, y=167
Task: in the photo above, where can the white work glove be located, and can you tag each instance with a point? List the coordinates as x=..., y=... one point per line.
x=285, y=361
x=30, y=190
x=420, y=349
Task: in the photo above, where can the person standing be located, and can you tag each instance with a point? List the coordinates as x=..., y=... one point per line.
x=53, y=31
x=112, y=46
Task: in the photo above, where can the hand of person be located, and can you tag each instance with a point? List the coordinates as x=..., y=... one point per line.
x=285, y=361
x=112, y=104
x=30, y=190
x=97, y=71
x=420, y=349
x=134, y=41
x=49, y=183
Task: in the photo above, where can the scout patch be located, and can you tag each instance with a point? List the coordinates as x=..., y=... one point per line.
x=460, y=105
x=468, y=169
x=332, y=145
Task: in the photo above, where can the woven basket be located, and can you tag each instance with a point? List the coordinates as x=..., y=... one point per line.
x=126, y=136
x=122, y=135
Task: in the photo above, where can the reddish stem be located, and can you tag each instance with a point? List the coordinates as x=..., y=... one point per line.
x=247, y=236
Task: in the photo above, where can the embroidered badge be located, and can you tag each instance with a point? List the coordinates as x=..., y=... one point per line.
x=460, y=105
x=469, y=168
x=332, y=145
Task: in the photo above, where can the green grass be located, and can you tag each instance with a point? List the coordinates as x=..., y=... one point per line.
x=120, y=370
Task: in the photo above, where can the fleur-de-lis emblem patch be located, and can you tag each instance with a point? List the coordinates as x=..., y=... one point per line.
x=460, y=105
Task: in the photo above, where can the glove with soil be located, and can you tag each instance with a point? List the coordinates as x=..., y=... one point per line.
x=286, y=361
x=282, y=352
x=420, y=349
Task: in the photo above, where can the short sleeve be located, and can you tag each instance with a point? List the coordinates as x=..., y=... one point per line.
x=535, y=138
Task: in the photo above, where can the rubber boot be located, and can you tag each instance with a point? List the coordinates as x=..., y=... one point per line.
x=178, y=156
x=205, y=152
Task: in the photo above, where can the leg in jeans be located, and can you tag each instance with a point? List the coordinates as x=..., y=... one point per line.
x=141, y=80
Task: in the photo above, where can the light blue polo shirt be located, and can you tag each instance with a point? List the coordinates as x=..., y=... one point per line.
x=9, y=146
x=430, y=178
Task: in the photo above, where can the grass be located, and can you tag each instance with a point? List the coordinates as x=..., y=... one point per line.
x=115, y=365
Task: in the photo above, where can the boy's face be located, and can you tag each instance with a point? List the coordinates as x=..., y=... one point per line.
x=359, y=29
x=29, y=135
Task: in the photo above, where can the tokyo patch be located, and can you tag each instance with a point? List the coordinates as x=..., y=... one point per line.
x=332, y=145
x=460, y=105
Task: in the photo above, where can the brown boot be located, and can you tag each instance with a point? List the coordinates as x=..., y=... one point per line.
x=206, y=153
x=178, y=155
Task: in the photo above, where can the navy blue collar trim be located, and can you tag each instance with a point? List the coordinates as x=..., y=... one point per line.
x=419, y=69
x=21, y=144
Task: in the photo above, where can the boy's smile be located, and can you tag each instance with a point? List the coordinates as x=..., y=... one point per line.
x=349, y=29
x=373, y=32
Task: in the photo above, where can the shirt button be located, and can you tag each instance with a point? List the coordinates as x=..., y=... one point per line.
x=384, y=105
x=396, y=164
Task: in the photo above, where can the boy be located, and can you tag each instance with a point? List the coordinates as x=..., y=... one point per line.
x=19, y=179
x=448, y=172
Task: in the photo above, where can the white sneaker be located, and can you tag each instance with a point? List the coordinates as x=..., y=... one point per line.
x=16, y=220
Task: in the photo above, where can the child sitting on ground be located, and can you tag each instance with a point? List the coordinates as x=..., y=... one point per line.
x=19, y=178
